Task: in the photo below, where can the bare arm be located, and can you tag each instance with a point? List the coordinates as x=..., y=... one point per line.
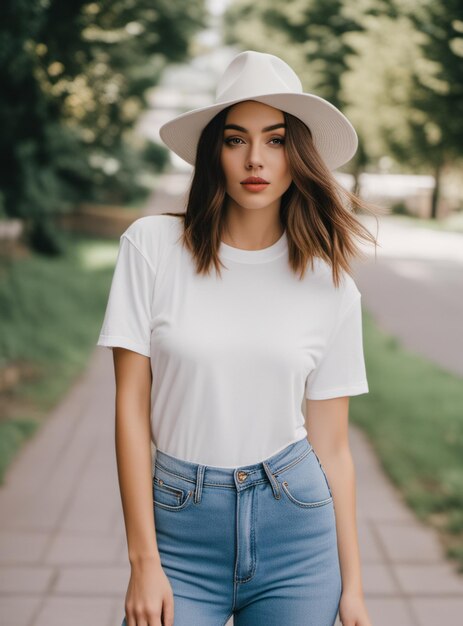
x=149, y=587
x=133, y=451
x=327, y=427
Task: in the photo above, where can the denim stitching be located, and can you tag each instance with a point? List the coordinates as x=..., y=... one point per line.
x=164, y=469
x=273, y=481
x=253, y=544
x=235, y=580
x=213, y=484
x=205, y=483
x=199, y=483
x=174, y=508
x=169, y=488
x=295, y=462
x=209, y=484
x=306, y=504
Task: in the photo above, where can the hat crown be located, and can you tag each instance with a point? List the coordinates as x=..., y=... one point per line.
x=253, y=73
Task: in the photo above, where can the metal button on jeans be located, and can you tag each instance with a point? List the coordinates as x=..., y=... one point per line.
x=242, y=476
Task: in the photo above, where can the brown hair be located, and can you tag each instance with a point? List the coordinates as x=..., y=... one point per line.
x=316, y=210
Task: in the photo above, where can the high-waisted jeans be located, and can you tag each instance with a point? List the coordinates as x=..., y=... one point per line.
x=257, y=541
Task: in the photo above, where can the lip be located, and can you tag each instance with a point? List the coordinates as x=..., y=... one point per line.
x=254, y=187
x=254, y=180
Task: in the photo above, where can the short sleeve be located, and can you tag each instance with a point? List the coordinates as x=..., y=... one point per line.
x=127, y=320
x=341, y=371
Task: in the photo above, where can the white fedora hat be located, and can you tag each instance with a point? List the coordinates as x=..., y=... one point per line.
x=266, y=78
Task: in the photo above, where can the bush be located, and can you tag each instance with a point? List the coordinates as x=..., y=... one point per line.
x=43, y=236
x=156, y=155
x=399, y=208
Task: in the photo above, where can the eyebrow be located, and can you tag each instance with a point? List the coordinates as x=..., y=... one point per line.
x=244, y=130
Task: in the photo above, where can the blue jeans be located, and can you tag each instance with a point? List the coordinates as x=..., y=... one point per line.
x=257, y=542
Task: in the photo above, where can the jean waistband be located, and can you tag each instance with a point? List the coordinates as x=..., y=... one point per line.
x=241, y=477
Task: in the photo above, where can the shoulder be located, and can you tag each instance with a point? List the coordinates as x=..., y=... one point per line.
x=323, y=272
x=349, y=304
x=152, y=235
x=342, y=296
x=150, y=228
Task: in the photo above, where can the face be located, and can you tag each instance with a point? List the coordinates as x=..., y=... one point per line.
x=250, y=148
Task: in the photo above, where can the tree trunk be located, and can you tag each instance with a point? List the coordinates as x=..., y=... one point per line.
x=356, y=188
x=436, y=190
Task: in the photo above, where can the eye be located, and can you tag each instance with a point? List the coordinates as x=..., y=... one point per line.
x=230, y=139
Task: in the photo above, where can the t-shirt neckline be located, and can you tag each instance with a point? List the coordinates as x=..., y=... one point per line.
x=254, y=256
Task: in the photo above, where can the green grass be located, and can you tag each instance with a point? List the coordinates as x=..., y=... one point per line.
x=413, y=416
x=453, y=223
x=50, y=314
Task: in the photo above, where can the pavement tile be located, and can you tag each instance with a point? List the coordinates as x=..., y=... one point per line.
x=19, y=610
x=438, y=611
x=75, y=548
x=118, y=612
x=389, y=612
x=429, y=579
x=370, y=550
x=378, y=578
x=22, y=547
x=14, y=579
x=122, y=551
x=78, y=611
x=93, y=581
x=377, y=499
x=93, y=509
x=412, y=543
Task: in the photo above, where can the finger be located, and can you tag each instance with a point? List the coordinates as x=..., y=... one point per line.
x=153, y=618
x=168, y=613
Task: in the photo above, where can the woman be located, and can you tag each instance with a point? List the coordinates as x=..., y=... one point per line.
x=253, y=502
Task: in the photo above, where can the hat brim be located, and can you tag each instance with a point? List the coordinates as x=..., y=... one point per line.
x=334, y=136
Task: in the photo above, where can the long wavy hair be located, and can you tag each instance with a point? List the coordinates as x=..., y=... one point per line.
x=317, y=212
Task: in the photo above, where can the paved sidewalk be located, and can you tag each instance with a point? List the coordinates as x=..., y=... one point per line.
x=63, y=555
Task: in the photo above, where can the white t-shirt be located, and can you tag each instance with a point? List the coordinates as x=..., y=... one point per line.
x=232, y=358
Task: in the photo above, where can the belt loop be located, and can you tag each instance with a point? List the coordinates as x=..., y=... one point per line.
x=273, y=481
x=199, y=483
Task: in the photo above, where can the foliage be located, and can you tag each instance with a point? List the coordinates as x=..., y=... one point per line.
x=394, y=67
x=74, y=76
x=309, y=35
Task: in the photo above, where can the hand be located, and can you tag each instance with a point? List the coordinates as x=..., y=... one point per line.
x=149, y=600
x=352, y=610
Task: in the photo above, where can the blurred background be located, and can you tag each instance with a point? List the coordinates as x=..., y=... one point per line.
x=84, y=88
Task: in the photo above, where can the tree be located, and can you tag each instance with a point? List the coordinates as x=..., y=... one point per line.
x=74, y=75
x=395, y=67
x=308, y=34
x=404, y=84
x=439, y=90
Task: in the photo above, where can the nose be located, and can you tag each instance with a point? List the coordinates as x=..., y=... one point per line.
x=253, y=159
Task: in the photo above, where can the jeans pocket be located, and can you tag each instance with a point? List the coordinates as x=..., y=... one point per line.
x=305, y=484
x=170, y=491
